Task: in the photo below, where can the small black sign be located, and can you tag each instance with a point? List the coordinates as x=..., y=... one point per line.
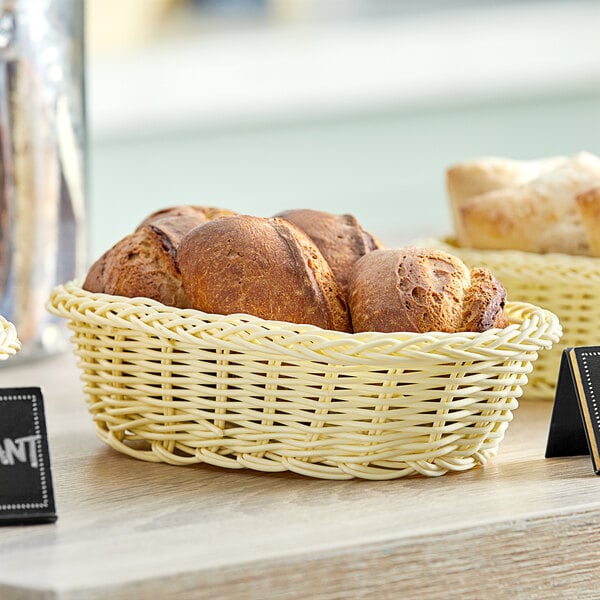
x=26, y=494
x=575, y=422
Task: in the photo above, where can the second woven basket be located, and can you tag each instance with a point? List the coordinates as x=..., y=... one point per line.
x=569, y=286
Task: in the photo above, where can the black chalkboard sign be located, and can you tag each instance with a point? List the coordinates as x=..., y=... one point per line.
x=26, y=493
x=575, y=422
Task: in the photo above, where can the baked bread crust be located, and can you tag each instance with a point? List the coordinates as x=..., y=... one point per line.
x=144, y=263
x=483, y=303
x=201, y=213
x=479, y=176
x=588, y=205
x=264, y=267
x=422, y=290
x=340, y=238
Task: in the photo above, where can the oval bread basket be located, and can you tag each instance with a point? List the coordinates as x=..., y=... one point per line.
x=9, y=343
x=182, y=387
x=569, y=286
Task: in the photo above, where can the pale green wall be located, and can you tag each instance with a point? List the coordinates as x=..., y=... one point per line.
x=386, y=168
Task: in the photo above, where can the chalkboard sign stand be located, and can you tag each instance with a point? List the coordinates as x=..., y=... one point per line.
x=26, y=492
x=575, y=422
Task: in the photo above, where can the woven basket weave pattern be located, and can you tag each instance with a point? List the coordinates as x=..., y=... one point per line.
x=182, y=387
x=9, y=343
x=568, y=286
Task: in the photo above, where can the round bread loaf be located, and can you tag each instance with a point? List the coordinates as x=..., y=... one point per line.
x=263, y=267
x=421, y=290
x=202, y=213
x=340, y=238
x=144, y=263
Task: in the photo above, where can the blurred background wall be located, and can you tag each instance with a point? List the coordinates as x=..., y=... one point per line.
x=344, y=105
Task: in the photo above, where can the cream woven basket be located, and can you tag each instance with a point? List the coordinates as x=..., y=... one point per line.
x=569, y=286
x=9, y=343
x=182, y=387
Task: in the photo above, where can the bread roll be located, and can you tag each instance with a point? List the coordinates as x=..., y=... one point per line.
x=538, y=216
x=481, y=175
x=340, y=238
x=483, y=303
x=144, y=263
x=201, y=213
x=264, y=267
x=421, y=290
x=588, y=206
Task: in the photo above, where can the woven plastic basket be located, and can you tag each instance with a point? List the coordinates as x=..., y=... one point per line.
x=182, y=387
x=9, y=343
x=569, y=286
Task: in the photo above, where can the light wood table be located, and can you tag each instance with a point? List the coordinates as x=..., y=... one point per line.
x=522, y=527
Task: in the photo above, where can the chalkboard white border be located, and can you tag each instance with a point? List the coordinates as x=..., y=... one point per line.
x=40, y=455
x=591, y=395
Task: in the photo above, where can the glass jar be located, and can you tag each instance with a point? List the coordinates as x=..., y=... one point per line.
x=42, y=163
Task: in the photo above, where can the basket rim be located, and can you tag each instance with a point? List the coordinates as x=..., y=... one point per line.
x=72, y=302
x=574, y=267
x=9, y=342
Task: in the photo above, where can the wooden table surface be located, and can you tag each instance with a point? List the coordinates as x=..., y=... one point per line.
x=523, y=526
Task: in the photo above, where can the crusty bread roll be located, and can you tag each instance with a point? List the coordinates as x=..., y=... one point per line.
x=201, y=213
x=264, y=267
x=340, y=238
x=588, y=206
x=538, y=216
x=421, y=290
x=488, y=173
x=144, y=263
x=483, y=303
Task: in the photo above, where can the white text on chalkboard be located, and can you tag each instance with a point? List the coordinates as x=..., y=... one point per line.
x=22, y=450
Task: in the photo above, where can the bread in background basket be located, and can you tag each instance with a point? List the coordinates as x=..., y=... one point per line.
x=543, y=206
x=184, y=386
x=536, y=226
x=9, y=342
